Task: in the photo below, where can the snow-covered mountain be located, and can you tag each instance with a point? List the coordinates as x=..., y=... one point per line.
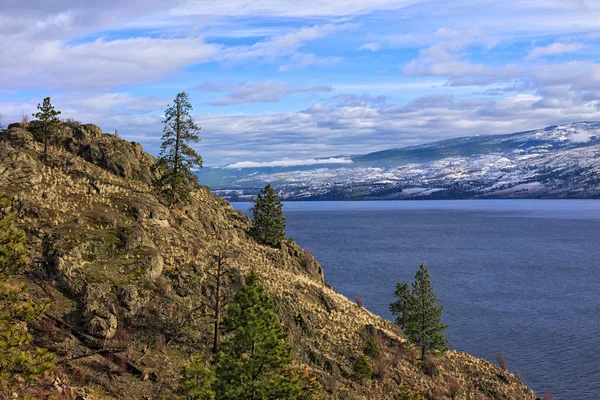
x=555, y=162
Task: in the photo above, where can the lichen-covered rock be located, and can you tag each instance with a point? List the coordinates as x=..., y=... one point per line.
x=99, y=310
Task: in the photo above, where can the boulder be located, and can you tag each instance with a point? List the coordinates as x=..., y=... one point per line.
x=98, y=309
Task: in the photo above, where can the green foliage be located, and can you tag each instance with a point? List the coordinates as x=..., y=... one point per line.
x=197, y=380
x=408, y=394
x=268, y=222
x=254, y=362
x=13, y=252
x=19, y=360
x=47, y=123
x=362, y=369
x=400, y=306
x=371, y=349
x=422, y=317
x=177, y=159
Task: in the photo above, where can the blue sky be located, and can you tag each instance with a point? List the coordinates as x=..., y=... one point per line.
x=293, y=80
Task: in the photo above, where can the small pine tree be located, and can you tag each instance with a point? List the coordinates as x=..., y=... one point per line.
x=268, y=222
x=400, y=306
x=423, y=322
x=19, y=360
x=177, y=159
x=197, y=380
x=371, y=349
x=254, y=362
x=362, y=369
x=47, y=122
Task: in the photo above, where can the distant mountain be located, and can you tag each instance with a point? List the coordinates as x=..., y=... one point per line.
x=554, y=162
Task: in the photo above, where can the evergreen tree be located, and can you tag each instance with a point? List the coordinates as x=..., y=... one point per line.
x=268, y=222
x=197, y=380
x=423, y=323
x=254, y=363
x=19, y=360
x=177, y=158
x=362, y=369
x=47, y=123
x=371, y=349
x=400, y=306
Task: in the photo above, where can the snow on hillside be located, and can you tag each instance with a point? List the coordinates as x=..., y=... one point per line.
x=554, y=162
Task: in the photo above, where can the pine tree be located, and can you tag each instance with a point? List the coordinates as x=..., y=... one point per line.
x=177, y=159
x=197, y=380
x=423, y=322
x=400, y=306
x=255, y=361
x=362, y=369
x=47, y=122
x=19, y=360
x=371, y=349
x=268, y=222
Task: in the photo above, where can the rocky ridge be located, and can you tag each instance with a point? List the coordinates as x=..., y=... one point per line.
x=128, y=274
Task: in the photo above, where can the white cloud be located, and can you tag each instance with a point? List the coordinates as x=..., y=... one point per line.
x=101, y=63
x=370, y=46
x=256, y=92
x=289, y=8
x=286, y=45
x=553, y=50
x=287, y=162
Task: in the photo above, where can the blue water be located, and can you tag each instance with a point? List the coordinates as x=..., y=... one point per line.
x=517, y=276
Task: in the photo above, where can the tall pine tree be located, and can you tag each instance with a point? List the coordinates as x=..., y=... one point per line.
x=177, y=159
x=47, y=123
x=20, y=362
x=268, y=222
x=255, y=361
x=423, y=317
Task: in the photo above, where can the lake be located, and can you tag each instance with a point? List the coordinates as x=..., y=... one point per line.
x=517, y=276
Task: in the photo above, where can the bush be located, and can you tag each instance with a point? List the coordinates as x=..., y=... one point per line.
x=362, y=369
x=371, y=349
x=407, y=393
x=454, y=387
x=359, y=301
x=196, y=380
x=502, y=361
x=430, y=366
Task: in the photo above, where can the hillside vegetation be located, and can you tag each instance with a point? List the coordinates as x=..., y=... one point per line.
x=130, y=294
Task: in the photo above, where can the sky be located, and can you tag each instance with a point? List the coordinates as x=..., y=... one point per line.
x=273, y=81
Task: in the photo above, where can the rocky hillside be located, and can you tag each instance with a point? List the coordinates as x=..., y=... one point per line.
x=129, y=289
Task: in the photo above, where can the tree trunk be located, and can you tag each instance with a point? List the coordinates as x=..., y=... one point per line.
x=175, y=178
x=45, y=143
x=217, y=334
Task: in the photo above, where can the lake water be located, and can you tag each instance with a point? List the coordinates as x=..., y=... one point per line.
x=517, y=276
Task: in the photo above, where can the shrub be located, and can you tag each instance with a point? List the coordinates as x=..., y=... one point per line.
x=454, y=387
x=359, y=301
x=362, y=369
x=371, y=349
x=430, y=366
x=407, y=393
x=196, y=380
x=307, y=260
x=502, y=361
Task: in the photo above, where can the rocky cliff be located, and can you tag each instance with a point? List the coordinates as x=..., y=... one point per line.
x=129, y=286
